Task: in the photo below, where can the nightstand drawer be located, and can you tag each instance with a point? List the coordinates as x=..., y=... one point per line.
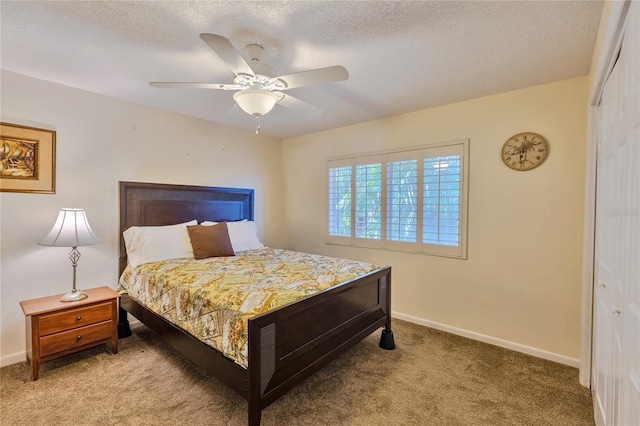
x=62, y=321
x=75, y=338
x=56, y=328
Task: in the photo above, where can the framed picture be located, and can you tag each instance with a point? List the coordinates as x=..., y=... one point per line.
x=27, y=159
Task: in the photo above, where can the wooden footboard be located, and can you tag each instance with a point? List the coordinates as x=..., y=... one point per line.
x=289, y=344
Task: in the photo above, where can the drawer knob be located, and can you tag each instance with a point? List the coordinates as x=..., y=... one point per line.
x=78, y=318
x=79, y=337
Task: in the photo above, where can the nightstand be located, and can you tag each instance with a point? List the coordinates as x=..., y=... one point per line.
x=56, y=328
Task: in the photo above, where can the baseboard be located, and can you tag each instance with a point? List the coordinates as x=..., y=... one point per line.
x=539, y=353
x=22, y=356
x=13, y=358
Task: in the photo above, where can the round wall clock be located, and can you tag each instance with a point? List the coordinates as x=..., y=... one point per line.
x=525, y=151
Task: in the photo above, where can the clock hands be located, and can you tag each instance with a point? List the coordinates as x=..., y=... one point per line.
x=523, y=154
x=524, y=151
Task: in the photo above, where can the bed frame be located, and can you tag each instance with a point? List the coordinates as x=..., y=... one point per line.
x=285, y=345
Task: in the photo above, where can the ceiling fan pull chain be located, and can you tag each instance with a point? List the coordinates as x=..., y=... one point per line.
x=257, y=125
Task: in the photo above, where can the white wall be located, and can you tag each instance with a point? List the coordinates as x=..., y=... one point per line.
x=100, y=141
x=521, y=284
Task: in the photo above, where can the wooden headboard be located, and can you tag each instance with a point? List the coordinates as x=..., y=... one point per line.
x=156, y=204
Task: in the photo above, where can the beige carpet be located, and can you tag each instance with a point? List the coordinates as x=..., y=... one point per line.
x=432, y=378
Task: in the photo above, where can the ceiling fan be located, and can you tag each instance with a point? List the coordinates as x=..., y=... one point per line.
x=258, y=89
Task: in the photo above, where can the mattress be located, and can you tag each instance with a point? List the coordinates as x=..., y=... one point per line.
x=213, y=299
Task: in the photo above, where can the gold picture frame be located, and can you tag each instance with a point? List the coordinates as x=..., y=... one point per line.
x=27, y=159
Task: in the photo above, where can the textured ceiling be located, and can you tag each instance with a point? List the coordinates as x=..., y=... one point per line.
x=402, y=56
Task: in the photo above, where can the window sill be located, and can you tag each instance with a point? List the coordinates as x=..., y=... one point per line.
x=397, y=250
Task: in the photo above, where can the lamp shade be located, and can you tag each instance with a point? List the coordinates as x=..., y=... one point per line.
x=256, y=102
x=70, y=230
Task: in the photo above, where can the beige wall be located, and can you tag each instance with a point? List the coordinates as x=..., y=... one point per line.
x=101, y=141
x=521, y=283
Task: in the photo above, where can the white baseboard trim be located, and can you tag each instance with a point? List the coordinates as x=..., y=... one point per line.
x=13, y=358
x=539, y=353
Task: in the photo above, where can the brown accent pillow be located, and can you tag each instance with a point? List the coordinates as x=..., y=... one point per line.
x=210, y=241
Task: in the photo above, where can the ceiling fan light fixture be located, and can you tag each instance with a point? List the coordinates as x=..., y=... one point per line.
x=258, y=87
x=256, y=102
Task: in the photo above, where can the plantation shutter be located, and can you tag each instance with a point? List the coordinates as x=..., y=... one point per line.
x=442, y=200
x=369, y=199
x=411, y=200
x=340, y=201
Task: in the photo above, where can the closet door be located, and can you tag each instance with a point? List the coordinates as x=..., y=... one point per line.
x=606, y=252
x=629, y=402
x=616, y=363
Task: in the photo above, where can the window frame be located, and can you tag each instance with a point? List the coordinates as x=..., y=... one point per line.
x=419, y=153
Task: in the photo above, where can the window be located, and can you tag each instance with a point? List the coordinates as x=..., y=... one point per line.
x=411, y=200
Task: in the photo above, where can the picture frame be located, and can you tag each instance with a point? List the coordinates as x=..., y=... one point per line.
x=27, y=159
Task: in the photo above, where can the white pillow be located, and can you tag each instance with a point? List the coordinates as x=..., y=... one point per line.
x=146, y=244
x=243, y=235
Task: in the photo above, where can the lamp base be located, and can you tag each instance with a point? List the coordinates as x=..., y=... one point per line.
x=73, y=296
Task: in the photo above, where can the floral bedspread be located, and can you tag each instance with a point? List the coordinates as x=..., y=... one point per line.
x=213, y=298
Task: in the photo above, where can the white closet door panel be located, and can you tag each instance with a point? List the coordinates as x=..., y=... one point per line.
x=629, y=403
x=606, y=254
x=616, y=321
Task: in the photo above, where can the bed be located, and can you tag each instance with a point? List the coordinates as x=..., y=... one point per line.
x=284, y=345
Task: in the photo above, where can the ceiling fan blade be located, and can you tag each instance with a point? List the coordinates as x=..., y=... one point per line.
x=298, y=105
x=175, y=84
x=317, y=76
x=225, y=50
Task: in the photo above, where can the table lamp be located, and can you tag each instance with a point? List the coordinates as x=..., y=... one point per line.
x=71, y=230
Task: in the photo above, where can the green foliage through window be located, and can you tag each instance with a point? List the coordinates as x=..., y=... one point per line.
x=340, y=201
